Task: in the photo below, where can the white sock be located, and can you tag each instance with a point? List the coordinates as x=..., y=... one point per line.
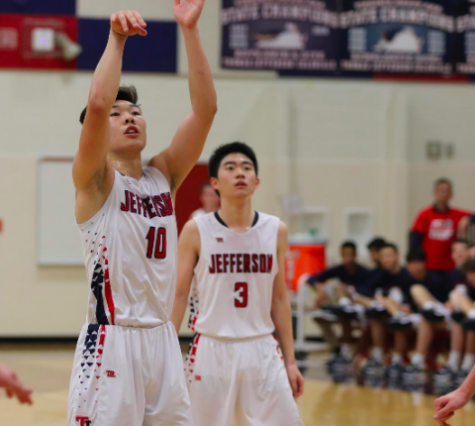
x=346, y=351
x=428, y=305
x=468, y=361
x=454, y=360
x=471, y=314
x=396, y=359
x=377, y=354
x=418, y=360
x=344, y=301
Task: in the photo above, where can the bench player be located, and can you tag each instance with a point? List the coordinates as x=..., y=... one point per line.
x=236, y=258
x=128, y=366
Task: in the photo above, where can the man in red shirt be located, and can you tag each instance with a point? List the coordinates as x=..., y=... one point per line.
x=435, y=229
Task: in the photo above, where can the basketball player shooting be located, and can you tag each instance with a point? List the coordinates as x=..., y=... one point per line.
x=235, y=257
x=128, y=368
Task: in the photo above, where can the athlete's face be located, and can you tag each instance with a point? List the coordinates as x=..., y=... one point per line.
x=417, y=269
x=442, y=193
x=236, y=177
x=209, y=199
x=348, y=256
x=459, y=254
x=389, y=258
x=128, y=128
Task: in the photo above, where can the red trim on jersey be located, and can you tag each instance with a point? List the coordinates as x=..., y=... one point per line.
x=108, y=289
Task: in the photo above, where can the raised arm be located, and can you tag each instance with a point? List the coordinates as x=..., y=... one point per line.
x=178, y=159
x=188, y=253
x=282, y=316
x=89, y=167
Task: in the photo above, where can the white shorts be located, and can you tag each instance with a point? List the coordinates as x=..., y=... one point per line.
x=124, y=376
x=245, y=380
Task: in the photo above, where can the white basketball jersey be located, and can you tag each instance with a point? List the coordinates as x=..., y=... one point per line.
x=130, y=251
x=234, y=278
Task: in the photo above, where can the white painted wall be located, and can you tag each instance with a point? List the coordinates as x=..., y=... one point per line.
x=340, y=144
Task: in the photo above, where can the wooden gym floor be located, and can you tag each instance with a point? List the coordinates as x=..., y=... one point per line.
x=47, y=370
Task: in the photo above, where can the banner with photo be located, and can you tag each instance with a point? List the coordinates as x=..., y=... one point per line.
x=292, y=35
x=397, y=37
x=464, y=45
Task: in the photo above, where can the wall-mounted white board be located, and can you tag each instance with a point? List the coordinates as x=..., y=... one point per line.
x=59, y=243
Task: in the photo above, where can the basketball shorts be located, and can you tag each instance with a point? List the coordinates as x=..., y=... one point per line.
x=124, y=376
x=244, y=380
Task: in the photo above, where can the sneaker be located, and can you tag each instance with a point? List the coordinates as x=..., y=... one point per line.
x=399, y=322
x=469, y=324
x=341, y=311
x=457, y=316
x=414, y=378
x=373, y=373
x=444, y=378
x=342, y=370
x=325, y=315
x=393, y=375
x=331, y=361
x=460, y=377
x=433, y=314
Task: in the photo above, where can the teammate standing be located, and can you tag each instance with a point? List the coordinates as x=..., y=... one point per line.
x=236, y=256
x=128, y=366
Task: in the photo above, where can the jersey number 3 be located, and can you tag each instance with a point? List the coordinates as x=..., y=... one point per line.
x=157, y=238
x=241, y=289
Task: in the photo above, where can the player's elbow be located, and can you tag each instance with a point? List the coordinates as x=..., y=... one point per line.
x=206, y=110
x=97, y=105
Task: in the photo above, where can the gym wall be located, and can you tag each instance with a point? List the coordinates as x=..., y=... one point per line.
x=340, y=144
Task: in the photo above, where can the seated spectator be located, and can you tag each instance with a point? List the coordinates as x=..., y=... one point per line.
x=350, y=275
x=374, y=246
x=210, y=201
x=389, y=297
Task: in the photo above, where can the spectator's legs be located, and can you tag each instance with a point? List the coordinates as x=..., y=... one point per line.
x=469, y=357
x=421, y=295
x=328, y=334
x=378, y=332
x=457, y=338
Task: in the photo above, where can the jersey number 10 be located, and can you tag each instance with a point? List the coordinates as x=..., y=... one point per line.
x=157, y=238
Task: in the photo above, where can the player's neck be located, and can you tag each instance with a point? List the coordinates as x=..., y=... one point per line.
x=131, y=167
x=237, y=214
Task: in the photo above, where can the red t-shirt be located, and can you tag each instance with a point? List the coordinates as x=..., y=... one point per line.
x=440, y=230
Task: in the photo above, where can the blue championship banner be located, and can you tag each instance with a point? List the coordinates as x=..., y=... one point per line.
x=465, y=39
x=397, y=37
x=292, y=35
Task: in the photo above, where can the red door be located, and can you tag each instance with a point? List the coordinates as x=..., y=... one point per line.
x=188, y=196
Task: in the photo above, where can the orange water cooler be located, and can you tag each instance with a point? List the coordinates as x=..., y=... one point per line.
x=306, y=256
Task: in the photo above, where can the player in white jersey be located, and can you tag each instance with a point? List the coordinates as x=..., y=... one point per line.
x=128, y=366
x=235, y=259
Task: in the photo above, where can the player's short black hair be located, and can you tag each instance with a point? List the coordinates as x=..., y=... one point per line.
x=348, y=244
x=416, y=255
x=460, y=241
x=469, y=266
x=230, y=148
x=443, y=181
x=125, y=93
x=392, y=246
x=376, y=243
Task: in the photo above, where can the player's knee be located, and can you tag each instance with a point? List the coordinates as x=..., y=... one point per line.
x=418, y=291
